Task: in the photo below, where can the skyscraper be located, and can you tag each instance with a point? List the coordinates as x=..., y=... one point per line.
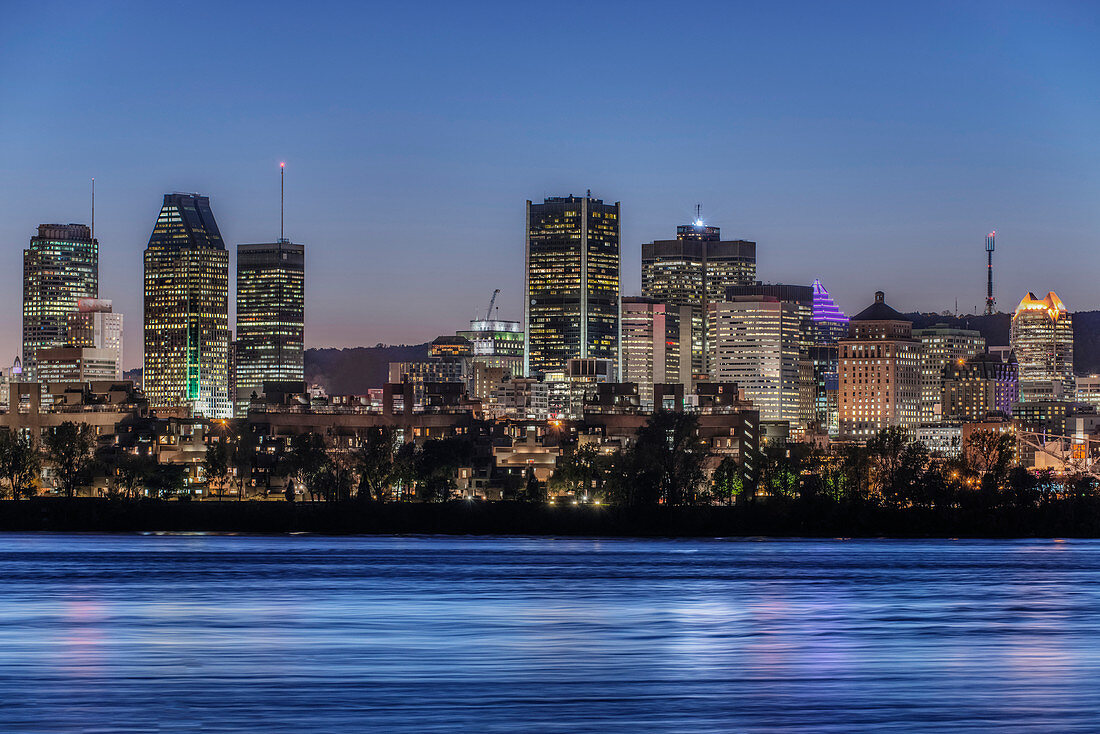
x=830, y=323
x=571, y=309
x=694, y=270
x=60, y=267
x=1042, y=340
x=758, y=341
x=187, y=310
x=270, y=317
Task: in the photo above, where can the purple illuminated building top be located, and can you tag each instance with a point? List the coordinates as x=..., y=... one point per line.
x=830, y=323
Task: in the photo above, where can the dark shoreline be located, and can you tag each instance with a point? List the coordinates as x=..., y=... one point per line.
x=788, y=519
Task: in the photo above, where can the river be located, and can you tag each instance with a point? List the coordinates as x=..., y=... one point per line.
x=154, y=633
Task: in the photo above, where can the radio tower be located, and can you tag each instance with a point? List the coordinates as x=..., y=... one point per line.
x=989, y=300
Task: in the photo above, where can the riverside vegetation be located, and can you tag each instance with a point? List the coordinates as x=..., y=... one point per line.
x=660, y=484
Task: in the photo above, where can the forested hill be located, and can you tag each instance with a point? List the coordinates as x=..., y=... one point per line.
x=356, y=370
x=1086, y=333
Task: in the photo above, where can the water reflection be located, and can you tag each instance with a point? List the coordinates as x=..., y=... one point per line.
x=234, y=633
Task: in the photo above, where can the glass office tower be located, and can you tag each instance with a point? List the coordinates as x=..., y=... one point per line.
x=187, y=310
x=270, y=317
x=60, y=267
x=571, y=309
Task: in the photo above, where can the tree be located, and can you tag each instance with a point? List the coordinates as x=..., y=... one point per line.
x=533, y=490
x=991, y=454
x=166, y=480
x=665, y=463
x=377, y=462
x=304, y=459
x=216, y=464
x=436, y=463
x=69, y=449
x=243, y=457
x=728, y=480
x=579, y=470
x=126, y=472
x=334, y=481
x=20, y=463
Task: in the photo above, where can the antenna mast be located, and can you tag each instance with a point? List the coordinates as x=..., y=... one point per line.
x=282, y=192
x=93, y=208
x=990, y=243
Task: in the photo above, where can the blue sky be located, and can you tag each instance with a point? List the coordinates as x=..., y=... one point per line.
x=869, y=144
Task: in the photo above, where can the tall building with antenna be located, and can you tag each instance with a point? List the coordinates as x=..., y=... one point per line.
x=990, y=303
x=186, y=363
x=694, y=270
x=270, y=342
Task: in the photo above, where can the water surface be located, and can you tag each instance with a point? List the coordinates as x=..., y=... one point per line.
x=437, y=634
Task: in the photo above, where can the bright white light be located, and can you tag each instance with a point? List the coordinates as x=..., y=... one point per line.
x=698, y=222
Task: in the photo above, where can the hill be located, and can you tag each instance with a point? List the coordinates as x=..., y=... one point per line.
x=356, y=370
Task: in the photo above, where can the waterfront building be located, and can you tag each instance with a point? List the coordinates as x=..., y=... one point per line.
x=879, y=369
x=694, y=270
x=187, y=310
x=60, y=267
x=975, y=388
x=757, y=342
x=571, y=304
x=270, y=335
x=96, y=325
x=941, y=346
x=651, y=346
x=1042, y=340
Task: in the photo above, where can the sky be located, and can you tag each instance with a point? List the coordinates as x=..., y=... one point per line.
x=872, y=145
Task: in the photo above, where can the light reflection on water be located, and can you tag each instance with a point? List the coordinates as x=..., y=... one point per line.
x=224, y=633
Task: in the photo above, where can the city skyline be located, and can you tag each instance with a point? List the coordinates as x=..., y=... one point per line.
x=820, y=166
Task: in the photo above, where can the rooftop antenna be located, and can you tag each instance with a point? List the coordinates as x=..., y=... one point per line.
x=990, y=243
x=93, y=208
x=282, y=191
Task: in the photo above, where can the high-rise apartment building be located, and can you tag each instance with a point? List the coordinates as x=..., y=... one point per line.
x=96, y=325
x=60, y=267
x=757, y=341
x=941, y=346
x=187, y=310
x=270, y=318
x=571, y=309
x=651, y=346
x=1042, y=340
x=879, y=373
x=694, y=270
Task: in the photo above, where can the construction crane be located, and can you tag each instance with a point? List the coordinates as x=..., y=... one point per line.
x=492, y=302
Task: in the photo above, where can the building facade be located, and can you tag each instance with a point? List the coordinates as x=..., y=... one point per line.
x=496, y=343
x=60, y=267
x=96, y=325
x=186, y=360
x=879, y=368
x=942, y=346
x=571, y=308
x=694, y=270
x=1041, y=337
x=651, y=346
x=977, y=387
x=757, y=342
x=270, y=335
x=77, y=364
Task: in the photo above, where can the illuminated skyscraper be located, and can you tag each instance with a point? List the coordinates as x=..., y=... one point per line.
x=571, y=309
x=187, y=310
x=60, y=267
x=830, y=324
x=1042, y=340
x=270, y=317
x=694, y=270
